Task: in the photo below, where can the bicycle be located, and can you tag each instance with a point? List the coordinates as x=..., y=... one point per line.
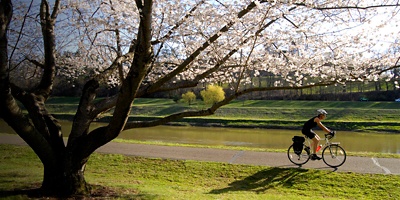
x=333, y=154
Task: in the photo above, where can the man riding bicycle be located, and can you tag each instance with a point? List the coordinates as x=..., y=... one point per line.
x=307, y=131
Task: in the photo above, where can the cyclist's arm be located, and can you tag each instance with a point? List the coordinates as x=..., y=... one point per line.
x=321, y=125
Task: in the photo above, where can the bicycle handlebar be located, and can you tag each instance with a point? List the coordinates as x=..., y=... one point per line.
x=330, y=135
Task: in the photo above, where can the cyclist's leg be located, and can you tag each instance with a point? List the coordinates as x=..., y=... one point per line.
x=314, y=144
x=314, y=139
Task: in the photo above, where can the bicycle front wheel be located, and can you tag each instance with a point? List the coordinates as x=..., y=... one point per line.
x=298, y=159
x=334, y=155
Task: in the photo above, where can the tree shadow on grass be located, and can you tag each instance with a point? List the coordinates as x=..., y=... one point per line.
x=98, y=192
x=266, y=179
x=29, y=192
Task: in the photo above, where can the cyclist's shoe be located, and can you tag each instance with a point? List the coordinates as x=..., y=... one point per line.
x=315, y=157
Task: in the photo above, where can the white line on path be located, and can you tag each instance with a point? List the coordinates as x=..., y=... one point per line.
x=237, y=155
x=387, y=171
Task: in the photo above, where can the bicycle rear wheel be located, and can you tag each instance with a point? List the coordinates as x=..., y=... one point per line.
x=298, y=159
x=334, y=155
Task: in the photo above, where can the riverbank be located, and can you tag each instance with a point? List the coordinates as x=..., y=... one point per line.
x=268, y=114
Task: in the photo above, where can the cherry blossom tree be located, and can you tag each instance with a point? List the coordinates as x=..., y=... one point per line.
x=146, y=46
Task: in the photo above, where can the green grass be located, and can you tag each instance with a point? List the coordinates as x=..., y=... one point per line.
x=144, y=178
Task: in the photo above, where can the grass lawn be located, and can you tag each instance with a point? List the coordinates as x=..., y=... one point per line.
x=142, y=178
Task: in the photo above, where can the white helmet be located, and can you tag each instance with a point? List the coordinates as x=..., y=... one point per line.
x=321, y=111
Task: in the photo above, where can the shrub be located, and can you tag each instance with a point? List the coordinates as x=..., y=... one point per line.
x=212, y=94
x=175, y=98
x=189, y=97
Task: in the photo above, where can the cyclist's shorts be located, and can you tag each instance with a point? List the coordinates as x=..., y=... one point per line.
x=309, y=133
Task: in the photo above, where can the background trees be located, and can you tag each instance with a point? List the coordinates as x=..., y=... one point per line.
x=145, y=47
x=212, y=94
x=189, y=97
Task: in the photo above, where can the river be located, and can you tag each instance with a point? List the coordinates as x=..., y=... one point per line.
x=260, y=138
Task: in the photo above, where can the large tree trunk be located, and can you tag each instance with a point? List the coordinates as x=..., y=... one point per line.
x=65, y=175
x=64, y=181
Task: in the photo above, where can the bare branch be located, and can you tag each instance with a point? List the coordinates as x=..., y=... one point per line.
x=348, y=7
x=178, y=24
x=390, y=68
x=35, y=62
x=20, y=32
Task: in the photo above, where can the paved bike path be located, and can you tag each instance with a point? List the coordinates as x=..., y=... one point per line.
x=352, y=164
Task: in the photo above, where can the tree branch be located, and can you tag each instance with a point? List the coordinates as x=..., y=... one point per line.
x=20, y=32
x=47, y=24
x=178, y=24
x=388, y=69
x=347, y=7
x=37, y=63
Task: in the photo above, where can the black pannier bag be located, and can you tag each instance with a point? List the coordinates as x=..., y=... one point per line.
x=298, y=144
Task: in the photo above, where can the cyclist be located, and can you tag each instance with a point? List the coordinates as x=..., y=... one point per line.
x=307, y=131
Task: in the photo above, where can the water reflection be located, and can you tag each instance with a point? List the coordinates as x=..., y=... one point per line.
x=261, y=138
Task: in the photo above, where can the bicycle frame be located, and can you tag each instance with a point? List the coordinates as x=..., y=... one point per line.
x=326, y=139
